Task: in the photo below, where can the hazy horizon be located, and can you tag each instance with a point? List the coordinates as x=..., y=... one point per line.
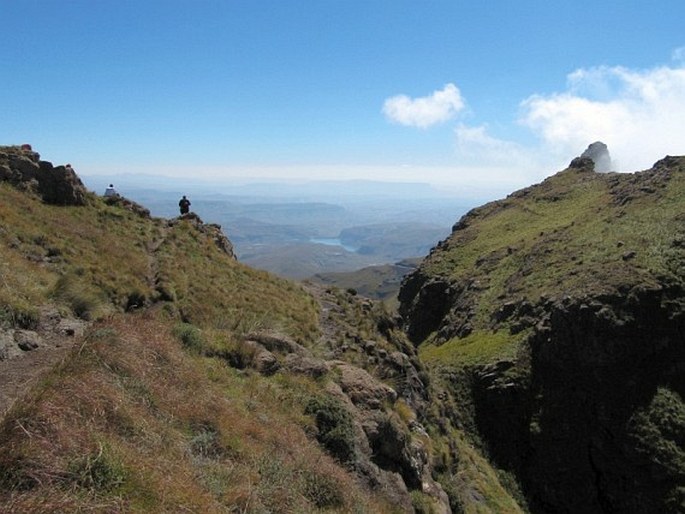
x=484, y=98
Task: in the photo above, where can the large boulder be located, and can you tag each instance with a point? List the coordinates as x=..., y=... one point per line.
x=363, y=389
x=58, y=185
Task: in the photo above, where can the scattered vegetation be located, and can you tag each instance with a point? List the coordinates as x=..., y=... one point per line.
x=132, y=422
x=335, y=429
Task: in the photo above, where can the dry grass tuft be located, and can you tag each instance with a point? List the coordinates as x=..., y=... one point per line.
x=134, y=422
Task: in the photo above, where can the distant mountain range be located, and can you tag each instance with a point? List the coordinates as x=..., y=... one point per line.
x=277, y=227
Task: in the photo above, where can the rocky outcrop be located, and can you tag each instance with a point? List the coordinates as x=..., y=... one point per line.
x=356, y=421
x=211, y=230
x=58, y=185
x=598, y=152
x=127, y=204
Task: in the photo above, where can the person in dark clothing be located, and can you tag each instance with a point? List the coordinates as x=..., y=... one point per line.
x=184, y=205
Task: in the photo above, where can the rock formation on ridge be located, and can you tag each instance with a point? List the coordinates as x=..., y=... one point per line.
x=599, y=153
x=59, y=185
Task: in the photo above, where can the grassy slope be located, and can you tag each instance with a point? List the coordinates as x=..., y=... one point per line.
x=578, y=233
x=97, y=259
x=213, y=290
x=132, y=421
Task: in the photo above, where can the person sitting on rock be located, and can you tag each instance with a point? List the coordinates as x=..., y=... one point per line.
x=184, y=205
x=110, y=191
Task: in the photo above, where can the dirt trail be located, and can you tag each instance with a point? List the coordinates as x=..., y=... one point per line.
x=152, y=247
x=18, y=375
x=331, y=312
x=53, y=338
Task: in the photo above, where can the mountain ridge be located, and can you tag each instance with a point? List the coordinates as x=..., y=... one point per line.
x=536, y=365
x=556, y=317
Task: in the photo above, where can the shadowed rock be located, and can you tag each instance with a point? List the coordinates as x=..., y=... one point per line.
x=58, y=185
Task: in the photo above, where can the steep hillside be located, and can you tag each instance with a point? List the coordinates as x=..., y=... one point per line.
x=167, y=377
x=554, y=320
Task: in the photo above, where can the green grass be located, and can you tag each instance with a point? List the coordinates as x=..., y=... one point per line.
x=567, y=236
x=479, y=347
x=100, y=258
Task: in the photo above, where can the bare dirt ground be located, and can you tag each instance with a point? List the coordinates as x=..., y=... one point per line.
x=55, y=336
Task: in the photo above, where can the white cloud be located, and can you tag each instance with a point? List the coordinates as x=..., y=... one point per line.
x=638, y=114
x=476, y=145
x=425, y=111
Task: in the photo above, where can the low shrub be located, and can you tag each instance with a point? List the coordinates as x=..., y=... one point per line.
x=205, y=442
x=98, y=471
x=190, y=336
x=336, y=430
x=422, y=503
x=322, y=490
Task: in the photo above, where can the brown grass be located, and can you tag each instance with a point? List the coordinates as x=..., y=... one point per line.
x=212, y=289
x=134, y=423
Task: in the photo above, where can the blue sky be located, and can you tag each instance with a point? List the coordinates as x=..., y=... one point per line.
x=484, y=95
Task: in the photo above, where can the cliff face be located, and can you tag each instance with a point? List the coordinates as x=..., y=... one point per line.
x=556, y=318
